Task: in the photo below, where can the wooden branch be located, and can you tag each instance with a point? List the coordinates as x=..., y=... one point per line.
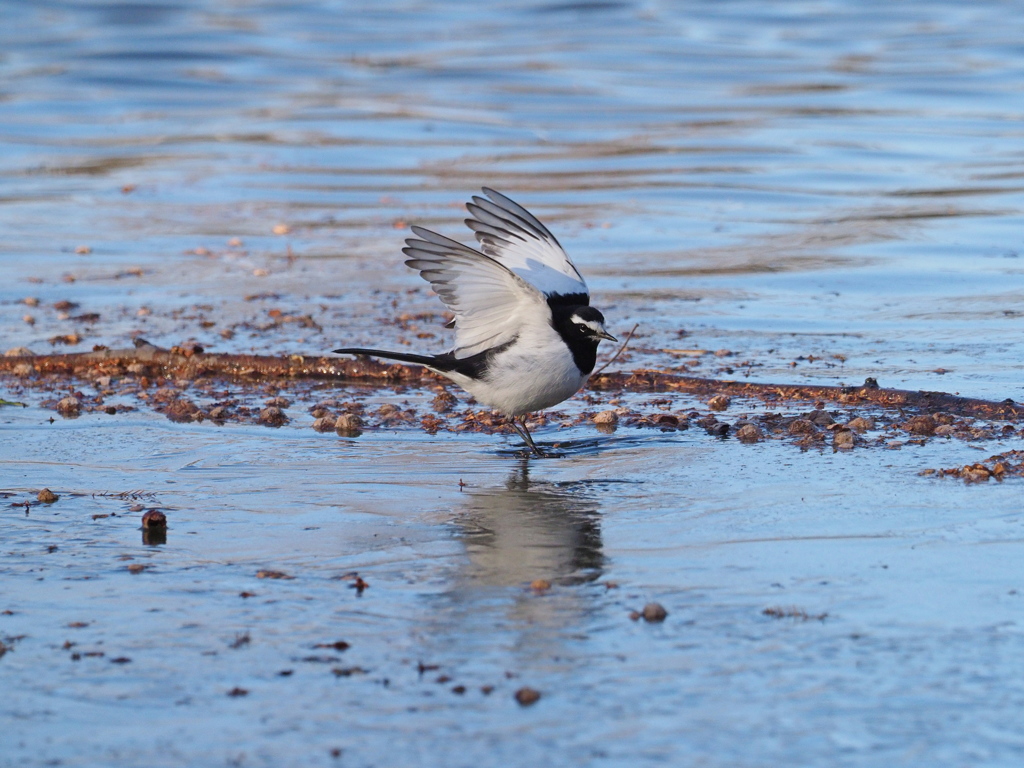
x=191, y=363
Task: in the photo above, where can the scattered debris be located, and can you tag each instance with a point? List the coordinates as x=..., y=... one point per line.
x=348, y=425
x=154, y=518
x=997, y=467
x=719, y=402
x=527, y=696
x=69, y=406
x=792, y=612
x=653, y=613
x=347, y=671
x=843, y=439
x=338, y=645
x=266, y=574
x=749, y=433
x=272, y=416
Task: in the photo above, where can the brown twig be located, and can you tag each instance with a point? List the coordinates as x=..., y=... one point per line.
x=622, y=349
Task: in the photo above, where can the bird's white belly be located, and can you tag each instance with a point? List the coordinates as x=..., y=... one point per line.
x=539, y=377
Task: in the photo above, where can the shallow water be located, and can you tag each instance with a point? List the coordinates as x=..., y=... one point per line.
x=827, y=190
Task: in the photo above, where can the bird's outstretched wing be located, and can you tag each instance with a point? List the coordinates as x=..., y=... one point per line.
x=512, y=235
x=491, y=303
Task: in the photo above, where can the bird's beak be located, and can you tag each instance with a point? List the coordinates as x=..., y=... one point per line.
x=606, y=335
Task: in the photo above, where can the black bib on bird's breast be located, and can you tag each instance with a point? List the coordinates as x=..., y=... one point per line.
x=583, y=348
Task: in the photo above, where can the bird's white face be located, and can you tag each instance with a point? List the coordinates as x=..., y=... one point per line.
x=591, y=329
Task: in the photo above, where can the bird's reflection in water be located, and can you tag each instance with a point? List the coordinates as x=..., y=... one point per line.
x=531, y=531
x=515, y=536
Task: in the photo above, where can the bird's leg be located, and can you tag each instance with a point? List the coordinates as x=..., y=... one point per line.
x=524, y=433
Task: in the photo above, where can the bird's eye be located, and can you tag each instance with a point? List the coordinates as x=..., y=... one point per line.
x=582, y=328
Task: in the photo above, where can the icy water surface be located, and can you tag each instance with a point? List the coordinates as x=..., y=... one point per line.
x=907, y=587
x=825, y=191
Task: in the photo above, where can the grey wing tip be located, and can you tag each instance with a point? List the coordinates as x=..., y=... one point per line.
x=419, y=232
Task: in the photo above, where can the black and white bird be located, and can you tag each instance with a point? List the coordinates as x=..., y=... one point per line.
x=525, y=334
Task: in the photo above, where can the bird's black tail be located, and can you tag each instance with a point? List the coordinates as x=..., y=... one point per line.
x=427, y=360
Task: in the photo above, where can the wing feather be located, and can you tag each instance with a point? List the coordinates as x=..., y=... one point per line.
x=512, y=235
x=490, y=302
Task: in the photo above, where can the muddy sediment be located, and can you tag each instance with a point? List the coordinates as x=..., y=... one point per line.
x=148, y=363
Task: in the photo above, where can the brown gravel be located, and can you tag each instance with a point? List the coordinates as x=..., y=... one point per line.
x=527, y=696
x=861, y=424
x=921, y=425
x=749, y=433
x=802, y=427
x=154, y=518
x=348, y=425
x=844, y=438
x=272, y=416
x=719, y=403
x=654, y=613
x=69, y=406
x=325, y=423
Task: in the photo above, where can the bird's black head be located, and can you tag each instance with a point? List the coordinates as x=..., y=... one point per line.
x=582, y=329
x=585, y=322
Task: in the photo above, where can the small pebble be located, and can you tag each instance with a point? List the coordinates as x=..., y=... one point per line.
x=717, y=429
x=719, y=403
x=921, y=425
x=802, y=427
x=654, y=613
x=821, y=418
x=843, y=438
x=749, y=433
x=527, y=696
x=154, y=518
x=272, y=416
x=443, y=402
x=272, y=575
x=325, y=423
x=348, y=425
x=69, y=406
x=608, y=418
x=861, y=424
x=47, y=496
